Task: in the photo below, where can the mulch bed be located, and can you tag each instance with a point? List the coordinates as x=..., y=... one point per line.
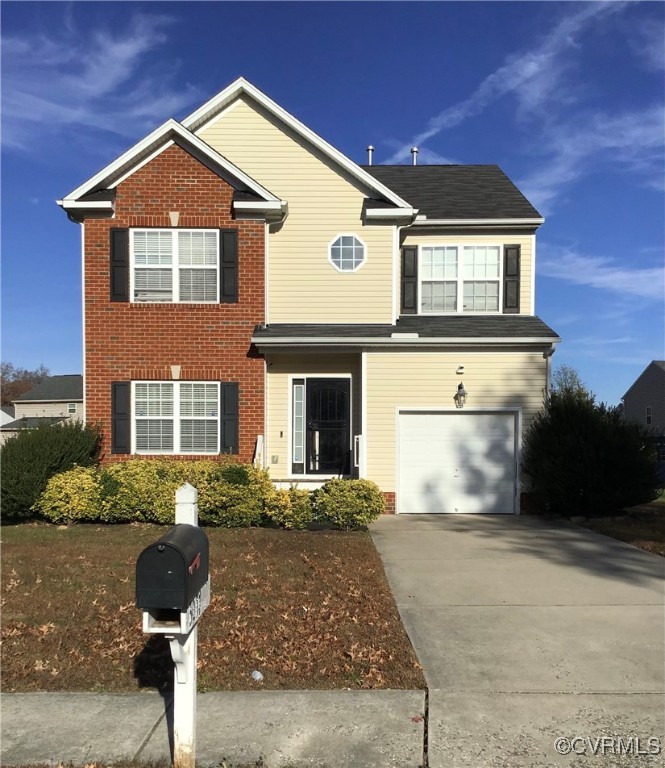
x=643, y=527
x=308, y=609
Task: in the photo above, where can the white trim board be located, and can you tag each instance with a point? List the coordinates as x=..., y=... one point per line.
x=151, y=145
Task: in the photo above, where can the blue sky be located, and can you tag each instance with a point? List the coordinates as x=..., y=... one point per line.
x=568, y=98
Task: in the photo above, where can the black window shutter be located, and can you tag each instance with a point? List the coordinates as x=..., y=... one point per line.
x=228, y=266
x=121, y=416
x=511, y=279
x=409, y=288
x=119, y=264
x=228, y=423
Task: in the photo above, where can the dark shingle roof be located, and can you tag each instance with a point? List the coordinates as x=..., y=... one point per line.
x=31, y=422
x=456, y=191
x=68, y=387
x=462, y=326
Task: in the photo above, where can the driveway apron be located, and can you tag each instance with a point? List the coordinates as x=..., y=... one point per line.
x=529, y=631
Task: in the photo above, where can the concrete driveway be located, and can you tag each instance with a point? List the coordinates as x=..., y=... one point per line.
x=529, y=631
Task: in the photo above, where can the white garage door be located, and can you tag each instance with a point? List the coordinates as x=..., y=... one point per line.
x=456, y=462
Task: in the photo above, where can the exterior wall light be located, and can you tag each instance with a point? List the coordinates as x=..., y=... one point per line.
x=460, y=396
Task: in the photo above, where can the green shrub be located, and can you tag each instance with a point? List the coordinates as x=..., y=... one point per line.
x=35, y=455
x=143, y=490
x=290, y=508
x=71, y=497
x=582, y=458
x=235, y=496
x=349, y=504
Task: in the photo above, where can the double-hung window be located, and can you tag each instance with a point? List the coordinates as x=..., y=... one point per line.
x=455, y=278
x=174, y=265
x=176, y=417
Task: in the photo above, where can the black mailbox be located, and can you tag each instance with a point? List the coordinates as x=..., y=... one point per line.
x=172, y=571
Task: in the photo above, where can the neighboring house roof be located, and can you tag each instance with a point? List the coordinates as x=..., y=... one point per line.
x=467, y=192
x=31, y=422
x=98, y=192
x=657, y=363
x=416, y=329
x=66, y=388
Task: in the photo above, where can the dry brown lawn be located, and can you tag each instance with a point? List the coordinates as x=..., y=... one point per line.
x=308, y=609
x=643, y=527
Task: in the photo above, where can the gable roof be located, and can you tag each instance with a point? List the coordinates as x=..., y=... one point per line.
x=457, y=192
x=67, y=388
x=660, y=364
x=208, y=111
x=97, y=192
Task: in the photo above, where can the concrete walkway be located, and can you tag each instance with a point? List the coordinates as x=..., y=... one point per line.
x=530, y=630
x=317, y=729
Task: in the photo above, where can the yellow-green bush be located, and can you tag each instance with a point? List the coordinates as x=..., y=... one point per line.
x=71, y=496
x=143, y=490
x=230, y=494
x=349, y=504
x=290, y=508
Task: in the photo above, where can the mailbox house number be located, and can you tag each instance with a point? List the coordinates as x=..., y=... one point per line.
x=197, y=607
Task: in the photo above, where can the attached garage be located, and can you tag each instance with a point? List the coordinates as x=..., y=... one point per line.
x=457, y=461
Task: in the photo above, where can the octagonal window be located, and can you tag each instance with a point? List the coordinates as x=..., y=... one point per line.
x=347, y=253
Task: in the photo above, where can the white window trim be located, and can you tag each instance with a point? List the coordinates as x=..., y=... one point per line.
x=175, y=266
x=360, y=240
x=176, y=419
x=460, y=279
x=72, y=408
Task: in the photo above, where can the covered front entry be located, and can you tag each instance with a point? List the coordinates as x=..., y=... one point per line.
x=457, y=462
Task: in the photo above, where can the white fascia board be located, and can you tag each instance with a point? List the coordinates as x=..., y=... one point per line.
x=87, y=204
x=390, y=213
x=423, y=221
x=124, y=159
x=251, y=205
x=373, y=341
x=164, y=133
x=241, y=85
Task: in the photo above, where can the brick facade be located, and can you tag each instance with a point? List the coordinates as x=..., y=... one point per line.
x=211, y=342
x=390, y=502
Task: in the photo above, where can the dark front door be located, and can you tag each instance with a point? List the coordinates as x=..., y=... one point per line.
x=328, y=425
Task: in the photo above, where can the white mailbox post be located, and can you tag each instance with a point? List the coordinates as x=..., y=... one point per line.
x=179, y=621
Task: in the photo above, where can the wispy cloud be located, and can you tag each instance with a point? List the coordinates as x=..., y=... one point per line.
x=102, y=79
x=633, y=141
x=533, y=77
x=648, y=44
x=602, y=273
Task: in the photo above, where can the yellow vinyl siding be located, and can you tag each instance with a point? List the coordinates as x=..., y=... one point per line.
x=429, y=380
x=304, y=286
x=526, y=254
x=282, y=368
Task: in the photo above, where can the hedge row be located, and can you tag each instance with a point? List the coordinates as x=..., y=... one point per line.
x=230, y=495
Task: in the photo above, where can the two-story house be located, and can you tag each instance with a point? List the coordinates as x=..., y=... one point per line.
x=250, y=290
